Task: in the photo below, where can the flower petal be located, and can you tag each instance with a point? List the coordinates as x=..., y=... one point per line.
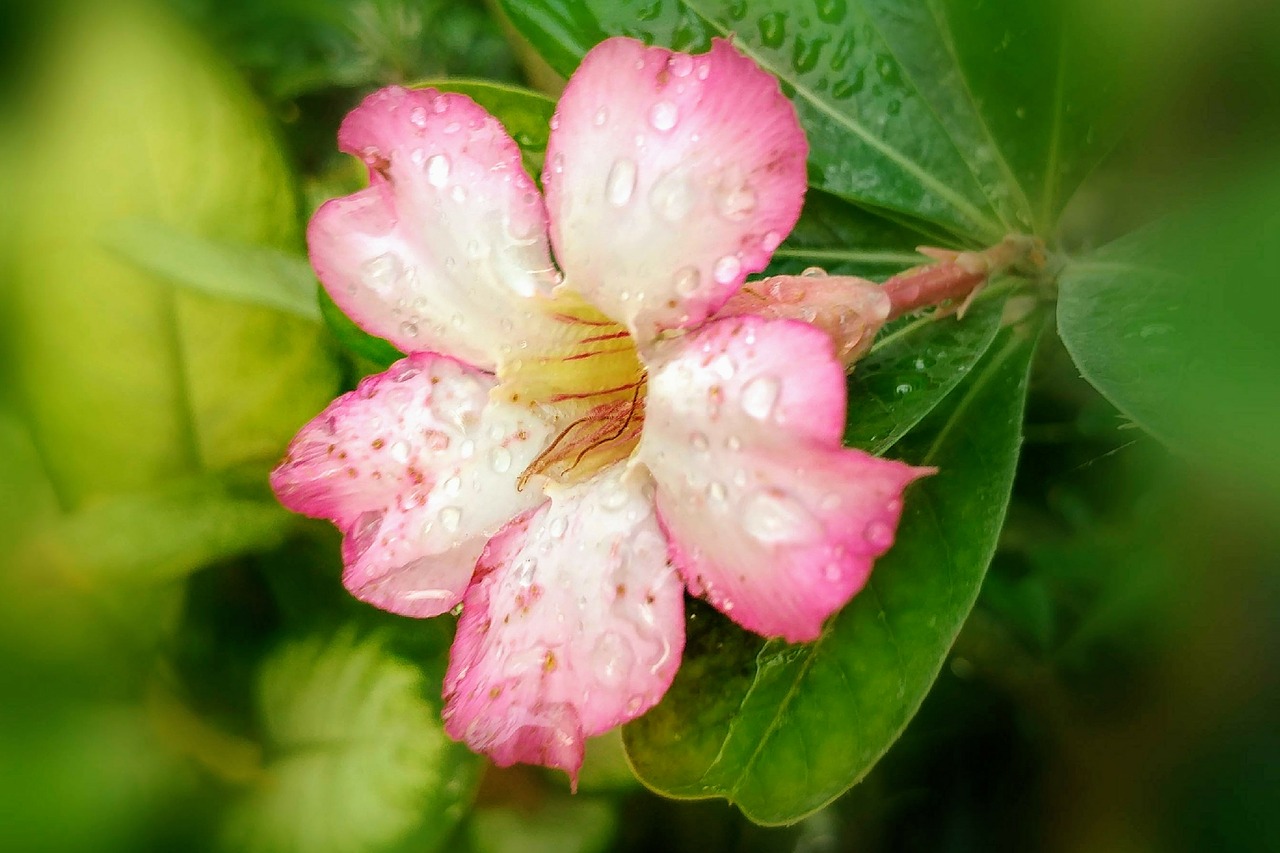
x=850, y=310
x=417, y=469
x=573, y=625
x=444, y=248
x=768, y=516
x=669, y=178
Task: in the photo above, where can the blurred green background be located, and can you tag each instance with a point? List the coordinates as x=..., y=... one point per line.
x=180, y=668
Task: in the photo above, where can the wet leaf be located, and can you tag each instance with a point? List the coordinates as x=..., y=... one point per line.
x=980, y=118
x=780, y=730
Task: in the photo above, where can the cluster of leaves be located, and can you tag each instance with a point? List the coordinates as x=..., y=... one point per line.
x=168, y=340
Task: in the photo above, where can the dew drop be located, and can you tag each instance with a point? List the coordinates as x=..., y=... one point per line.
x=384, y=271
x=727, y=269
x=621, y=182
x=500, y=460
x=686, y=280
x=833, y=572
x=557, y=527
x=772, y=516
x=664, y=115
x=672, y=196
x=718, y=491
x=440, y=104
x=699, y=442
x=408, y=329
x=467, y=449
x=615, y=499
x=770, y=241
x=879, y=535
x=612, y=659
x=602, y=116
x=451, y=486
x=418, y=116
x=760, y=396
x=418, y=156
x=438, y=170
x=400, y=451
x=680, y=64
x=450, y=518
x=736, y=202
x=903, y=389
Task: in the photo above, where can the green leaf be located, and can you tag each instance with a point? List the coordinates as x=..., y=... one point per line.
x=377, y=353
x=359, y=759
x=130, y=382
x=562, y=824
x=152, y=536
x=844, y=239
x=912, y=367
x=1175, y=325
x=980, y=118
x=255, y=275
x=780, y=730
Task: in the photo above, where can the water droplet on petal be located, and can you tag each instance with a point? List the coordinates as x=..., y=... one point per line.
x=736, y=202
x=440, y=104
x=621, y=182
x=770, y=241
x=664, y=115
x=614, y=499
x=727, y=269
x=833, y=572
x=384, y=271
x=438, y=170
x=418, y=156
x=450, y=518
x=718, y=491
x=699, y=442
x=451, y=486
x=400, y=451
x=363, y=532
x=772, y=516
x=409, y=330
x=500, y=460
x=612, y=659
x=672, y=196
x=686, y=281
x=558, y=527
x=760, y=396
x=418, y=116
x=602, y=116
x=879, y=535
x=680, y=64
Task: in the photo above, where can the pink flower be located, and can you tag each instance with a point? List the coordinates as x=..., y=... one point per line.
x=565, y=454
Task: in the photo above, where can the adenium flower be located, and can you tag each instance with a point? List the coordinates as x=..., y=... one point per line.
x=569, y=447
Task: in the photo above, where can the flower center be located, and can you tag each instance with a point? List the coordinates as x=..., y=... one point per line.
x=590, y=382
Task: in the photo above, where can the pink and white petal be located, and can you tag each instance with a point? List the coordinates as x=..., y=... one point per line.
x=669, y=179
x=768, y=516
x=418, y=469
x=850, y=310
x=447, y=247
x=574, y=625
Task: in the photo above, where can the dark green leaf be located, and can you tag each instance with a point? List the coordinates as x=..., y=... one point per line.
x=980, y=118
x=358, y=757
x=377, y=353
x=912, y=367
x=781, y=730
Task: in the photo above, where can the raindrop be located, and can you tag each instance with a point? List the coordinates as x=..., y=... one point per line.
x=672, y=196
x=418, y=116
x=760, y=396
x=450, y=518
x=686, y=280
x=557, y=527
x=903, y=389
x=400, y=451
x=384, y=271
x=612, y=659
x=440, y=104
x=408, y=329
x=615, y=499
x=602, y=116
x=736, y=202
x=770, y=241
x=833, y=572
x=438, y=170
x=773, y=29
x=418, y=156
x=699, y=442
x=772, y=516
x=621, y=182
x=451, y=486
x=879, y=535
x=831, y=11
x=663, y=115
x=467, y=449
x=718, y=491
x=727, y=269
x=680, y=64
x=500, y=459
x=458, y=194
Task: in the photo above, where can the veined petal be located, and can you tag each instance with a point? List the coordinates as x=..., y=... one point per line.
x=418, y=469
x=573, y=625
x=850, y=310
x=768, y=516
x=446, y=250
x=669, y=179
